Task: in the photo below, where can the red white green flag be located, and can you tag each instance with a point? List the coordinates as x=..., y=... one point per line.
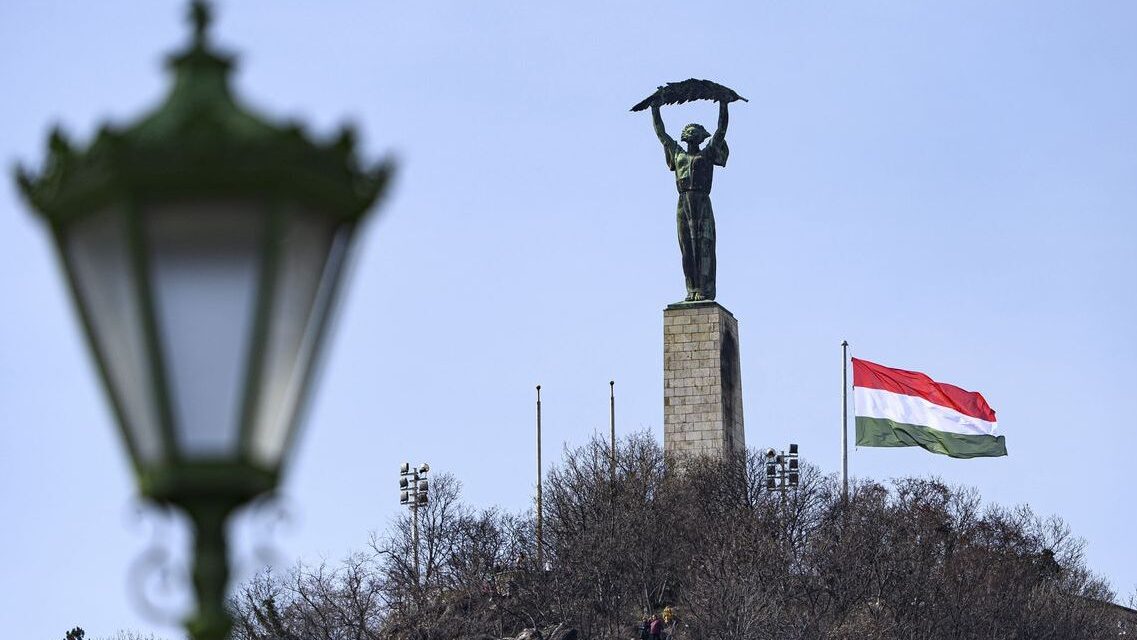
x=898, y=408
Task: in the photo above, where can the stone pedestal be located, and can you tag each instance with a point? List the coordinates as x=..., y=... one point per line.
x=702, y=381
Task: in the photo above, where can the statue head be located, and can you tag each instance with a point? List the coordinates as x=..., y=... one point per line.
x=694, y=133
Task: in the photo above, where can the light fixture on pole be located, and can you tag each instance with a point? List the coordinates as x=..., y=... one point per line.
x=782, y=469
x=203, y=246
x=414, y=493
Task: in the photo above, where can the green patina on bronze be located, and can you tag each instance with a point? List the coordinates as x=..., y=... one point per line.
x=694, y=170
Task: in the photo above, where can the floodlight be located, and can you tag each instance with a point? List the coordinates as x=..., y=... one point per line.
x=793, y=479
x=771, y=483
x=770, y=453
x=404, y=497
x=793, y=448
x=424, y=468
x=422, y=486
x=770, y=470
x=405, y=467
x=793, y=464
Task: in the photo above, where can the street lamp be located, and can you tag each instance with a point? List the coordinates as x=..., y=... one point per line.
x=203, y=246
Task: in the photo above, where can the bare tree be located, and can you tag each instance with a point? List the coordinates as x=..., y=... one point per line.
x=911, y=559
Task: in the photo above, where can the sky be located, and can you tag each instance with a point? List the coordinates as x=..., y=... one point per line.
x=949, y=186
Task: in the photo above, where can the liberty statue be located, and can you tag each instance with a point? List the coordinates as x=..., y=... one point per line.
x=694, y=169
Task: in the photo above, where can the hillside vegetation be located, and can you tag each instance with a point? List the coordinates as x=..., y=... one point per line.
x=912, y=558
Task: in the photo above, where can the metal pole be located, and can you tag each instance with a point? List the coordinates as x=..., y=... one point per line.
x=540, y=541
x=210, y=568
x=612, y=407
x=782, y=477
x=414, y=525
x=845, y=420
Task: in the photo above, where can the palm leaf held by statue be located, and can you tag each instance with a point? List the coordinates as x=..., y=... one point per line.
x=687, y=91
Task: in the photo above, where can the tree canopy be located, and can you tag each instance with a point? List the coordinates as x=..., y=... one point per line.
x=912, y=558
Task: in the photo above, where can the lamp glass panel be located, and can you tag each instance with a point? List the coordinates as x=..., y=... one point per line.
x=311, y=254
x=97, y=253
x=205, y=261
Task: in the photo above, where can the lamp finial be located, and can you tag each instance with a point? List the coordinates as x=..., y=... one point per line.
x=201, y=14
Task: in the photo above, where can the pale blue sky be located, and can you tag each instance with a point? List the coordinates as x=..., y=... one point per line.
x=950, y=186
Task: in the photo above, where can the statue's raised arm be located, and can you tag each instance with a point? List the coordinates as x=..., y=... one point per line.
x=724, y=119
x=660, y=131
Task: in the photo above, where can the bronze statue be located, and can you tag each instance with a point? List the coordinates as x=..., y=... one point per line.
x=694, y=169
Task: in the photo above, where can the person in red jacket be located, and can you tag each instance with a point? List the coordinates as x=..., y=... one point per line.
x=655, y=627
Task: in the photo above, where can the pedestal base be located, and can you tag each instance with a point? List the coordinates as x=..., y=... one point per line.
x=702, y=381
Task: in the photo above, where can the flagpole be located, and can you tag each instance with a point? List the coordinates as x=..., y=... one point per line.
x=844, y=420
x=540, y=540
x=612, y=414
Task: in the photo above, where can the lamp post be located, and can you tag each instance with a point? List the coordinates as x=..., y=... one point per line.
x=414, y=492
x=203, y=246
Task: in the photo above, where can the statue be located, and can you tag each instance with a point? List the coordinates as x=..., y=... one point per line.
x=694, y=169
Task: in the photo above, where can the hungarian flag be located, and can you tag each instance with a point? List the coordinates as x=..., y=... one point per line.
x=898, y=408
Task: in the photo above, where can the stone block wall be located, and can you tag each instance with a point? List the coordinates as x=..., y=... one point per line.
x=702, y=380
